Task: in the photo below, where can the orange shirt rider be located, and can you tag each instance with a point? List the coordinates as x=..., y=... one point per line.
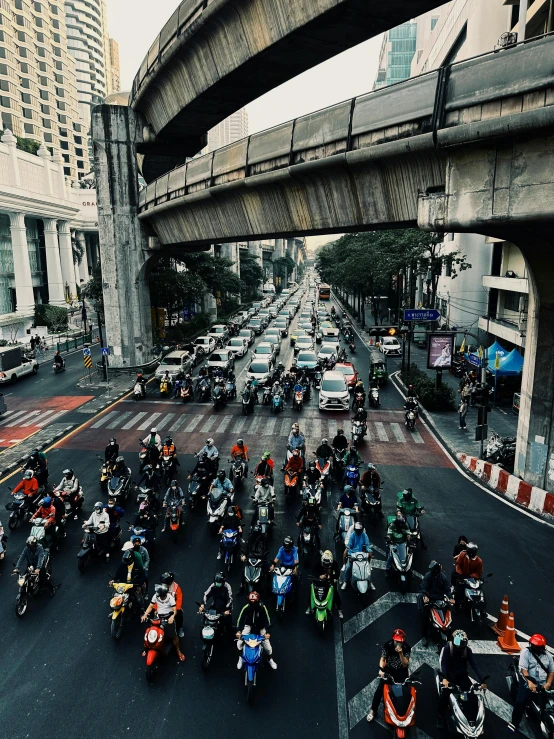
x=28, y=485
x=467, y=566
x=295, y=463
x=240, y=451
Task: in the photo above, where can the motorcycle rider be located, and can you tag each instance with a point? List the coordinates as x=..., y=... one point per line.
x=295, y=465
x=411, y=404
x=461, y=546
x=47, y=513
x=371, y=479
x=308, y=515
x=58, y=361
x=324, y=451
x=264, y=493
x=327, y=569
x=147, y=519
x=142, y=383
x=255, y=547
x=240, y=451
x=38, y=463
x=409, y=506
x=149, y=478
x=222, y=482
x=174, y=495
x=411, y=393
x=202, y=471
x=130, y=570
x=168, y=578
x=296, y=440
x=351, y=459
x=287, y=556
x=312, y=476
x=69, y=486
x=34, y=555
x=434, y=586
x=165, y=605
x=398, y=532
x=141, y=553
x=356, y=541
x=361, y=417
x=29, y=486
x=115, y=514
x=153, y=443
x=111, y=452
x=536, y=668
x=455, y=658
x=395, y=657
x=100, y=522
x=254, y=619
x=468, y=564
x=265, y=467
x=213, y=455
x=340, y=442
x=170, y=450
x=358, y=390
x=348, y=500
x=230, y=521
x=221, y=597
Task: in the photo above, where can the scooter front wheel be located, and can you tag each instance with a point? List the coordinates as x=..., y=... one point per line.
x=20, y=605
x=207, y=658
x=321, y=627
x=13, y=521
x=117, y=627
x=150, y=672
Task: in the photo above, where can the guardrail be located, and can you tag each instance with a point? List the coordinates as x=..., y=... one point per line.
x=146, y=369
x=420, y=105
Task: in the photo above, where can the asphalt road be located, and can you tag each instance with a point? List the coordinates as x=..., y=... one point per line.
x=62, y=675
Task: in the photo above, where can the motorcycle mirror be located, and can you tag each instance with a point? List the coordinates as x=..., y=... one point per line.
x=490, y=574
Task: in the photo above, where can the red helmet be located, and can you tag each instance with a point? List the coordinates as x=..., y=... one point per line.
x=537, y=640
x=253, y=597
x=398, y=635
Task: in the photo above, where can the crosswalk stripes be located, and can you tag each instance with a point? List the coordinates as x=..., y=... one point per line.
x=316, y=428
x=134, y=420
x=380, y=429
x=397, y=431
x=179, y=422
x=333, y=428
x=285, y=427
x=105, y=418
x=223, y=425
x=30, y=419
x=45, y=417
x=44, y=421
x=117, y=421
x=6, y=421
x=28, y=414
x=193, y=423
x=417, y=437
x=148, y=421
x=239, y=425
x=269, y=427
x=209, y=423
x=165, y=420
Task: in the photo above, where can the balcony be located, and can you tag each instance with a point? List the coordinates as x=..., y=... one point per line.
x=513, y=284
x=503, y=330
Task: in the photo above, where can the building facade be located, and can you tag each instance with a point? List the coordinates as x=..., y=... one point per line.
x=114, y=74
x=231, y=129
x=38, y=99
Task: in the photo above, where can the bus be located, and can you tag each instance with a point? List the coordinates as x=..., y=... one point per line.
x=324, y=291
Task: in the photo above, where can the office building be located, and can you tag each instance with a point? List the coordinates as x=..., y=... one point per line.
x=231, y=129
x=113, y=75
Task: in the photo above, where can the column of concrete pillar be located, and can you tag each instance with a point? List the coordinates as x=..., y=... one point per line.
x=66, y=257
x=56, y=294
x=25, y=296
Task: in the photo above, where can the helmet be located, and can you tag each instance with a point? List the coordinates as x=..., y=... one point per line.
x=434, y=566
x=266, y=455
x=472, y=549
x=459, y=639
x=407, y=494
x=312, y=465
x=340, y=432
x=168, y=440
x=68, y=472
x=31, y=541
x=167, y=578
x=219, y=579
x=46, y=501
x=153, y=430
x=112, y=440
x=296, y=452
x=537, y=643
x=136, y=538
x=352, y=448
x=209, y=442
x=324, y=441
x=98, y=505
x=348, y=490
x=147, y=467
x=121, y=459
x=370, y=466
x=264, y=482
x=253, y=597
x=358, y=526
x=295, y=427
x=161, y=590
x=327, y=558
x=221, y=474
x=398, y=635
x=127, y=558
x=287, y=543
x=240, y=442
x=174, y=483
x=28, y=474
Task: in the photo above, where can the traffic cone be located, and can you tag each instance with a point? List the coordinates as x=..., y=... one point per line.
x=507, y=642
x=500, y=625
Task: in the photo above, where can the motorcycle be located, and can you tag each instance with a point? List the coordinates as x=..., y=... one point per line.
x=287, y=387
x=352, y=475
x=324, y=467
x=165, y=387
x=186, y=393
x=229, y=543
x=59, y=367
x=346, y=521
x=372, y=502
x=540, y=710
x=174, y=521
x=317, y=379
x=312, y=491
x=415, y=530
x=154, y=645
x=352, y=346
x=291, y=484
x=254, y=575
x=282, y=587
x=78, y=500
x=168, y=466
x=29, y=587
x=474, y=601
x=466, y=708
x=204, y=391
x=197, y=490
x=359, y=401
x=411, y=418
x=217, y=505
x=20, y=509
x=298, y=400
x=139, y=391
x=358, y=432
x=338, y=463
x=501, y=450
x=374, y=397
x=251, y=661
x=90, y=546
x=321, y=602
x=212, y=628
x=360, y=579
x=266, y=396
x=122, y=604
x=402, y=558
x=306, y=540
x=231, y=389
x=219, y=397
x=399, y=703
x=277, y=403
x=144, y=457
x=236, y=473
x=118, y=487
x=440, y=615
x=248, y=401
x=263, y=516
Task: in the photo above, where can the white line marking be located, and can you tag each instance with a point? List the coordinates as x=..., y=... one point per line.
x=194, y=422
x=163, y=423
x=13, y=415
x=208, y=425
x=180, y=421
x=239, y=425
x=31, y=414
x=365, y=618
x=316, y=429
x=269, y=427
x=381, y=433
x=147, y=421
x=333, y=428
x=41, y=418
x=105, y=418
x=45, y=422
x=397, y=431
x=417, y=437
x=223, y=425
x=118, y=421
x=341, y=683
x=134, y=420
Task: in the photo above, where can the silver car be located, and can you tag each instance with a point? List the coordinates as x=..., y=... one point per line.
x=333, y=394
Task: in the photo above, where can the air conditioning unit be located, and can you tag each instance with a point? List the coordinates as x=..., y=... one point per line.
x=507, y=39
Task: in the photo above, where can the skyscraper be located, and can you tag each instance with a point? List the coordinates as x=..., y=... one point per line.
x=113, y=76
x=231, y=129
x=38, y=98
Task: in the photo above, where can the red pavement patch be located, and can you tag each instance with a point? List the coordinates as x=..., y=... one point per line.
x=28, y=415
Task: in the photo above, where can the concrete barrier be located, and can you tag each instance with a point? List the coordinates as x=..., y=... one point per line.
x=516, y=490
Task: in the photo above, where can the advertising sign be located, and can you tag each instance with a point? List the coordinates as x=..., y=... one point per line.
x=440, y=351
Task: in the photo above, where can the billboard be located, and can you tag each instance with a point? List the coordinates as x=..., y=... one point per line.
x=440, y=351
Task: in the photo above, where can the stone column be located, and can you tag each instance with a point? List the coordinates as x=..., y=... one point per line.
x=56, y=295
x=23, y=280
x=66, y=257
x=116, y=130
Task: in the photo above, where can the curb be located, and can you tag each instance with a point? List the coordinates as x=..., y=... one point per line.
x=511, y=487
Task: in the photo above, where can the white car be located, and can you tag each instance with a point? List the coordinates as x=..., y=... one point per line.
x=222, y=359
x=264, y=350
x=333, y=394
x=326, y=351
x=274, y=337
x=260, y=370
x=390, y=345
x=204, y=344
x=238, y=345
x=219, y=331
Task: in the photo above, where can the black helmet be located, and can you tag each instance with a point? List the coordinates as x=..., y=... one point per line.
x=174, y=484
x=167, y=578
x=221, y=474
x=168, y=440
x=348, y=490
x=127, y=558
x=219, y=578
x=340, y=432
x=434, y=566
x=312, y=465
x=161, y=590
x=264, y=482
x=287, y=543
x=113, y=440
x=121, y=459
x=407, y=494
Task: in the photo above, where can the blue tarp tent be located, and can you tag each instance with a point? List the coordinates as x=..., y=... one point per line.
x=510, y=365
x=493, y=349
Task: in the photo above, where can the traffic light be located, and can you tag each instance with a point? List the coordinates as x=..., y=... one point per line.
x=392, y=331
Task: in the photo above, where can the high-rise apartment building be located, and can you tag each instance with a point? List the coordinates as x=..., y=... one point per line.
x=38, y=98
x=231, y=129
x=113, y=74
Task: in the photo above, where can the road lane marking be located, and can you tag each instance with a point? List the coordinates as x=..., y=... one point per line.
x=369, y=615
x=180, y=421
x=12, y=415
x=342, y=708
x=42, y=418
x=28, y=415
x=208, y=425
x=333, y=428
x=381, y=433
x=135, y=419
x=148, y=421
x=417, y=437
x=45, y=422
x=223, y=425
x=239, y=425
x=163, y=423
x=194, y=422
x=269, y=428
x=397, y=431
x=105, y=418
x=316, y=429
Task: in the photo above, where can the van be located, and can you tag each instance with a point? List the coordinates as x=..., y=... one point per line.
x=177, y=363
x=14, y=364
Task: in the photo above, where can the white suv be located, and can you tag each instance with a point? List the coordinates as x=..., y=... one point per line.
x=333, y=394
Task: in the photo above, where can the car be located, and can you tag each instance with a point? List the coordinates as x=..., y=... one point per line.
x=330, y=334
x=325, y=352
x=275, y=338
x=284, y=314
x=219, y=331
x=295, y=333
x=273, y=310
x=265, y=349
x=177, y=363
x=282, y=326
x=248, y=334
x=306, y=360
x=238, y=345
x=307, y=327
x=204, y=345
x=349, y=371
x=222, y=359
x=14, y=364
x=333, y=394
x=260, y=370
x=390, y=346
x=264, y=312
x=303, y=344
x=256, y=306
x=256, y=325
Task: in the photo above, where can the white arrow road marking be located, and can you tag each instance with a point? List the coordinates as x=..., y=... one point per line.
x=369, y=615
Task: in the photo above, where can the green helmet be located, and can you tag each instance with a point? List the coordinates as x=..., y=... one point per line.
x=266, y=455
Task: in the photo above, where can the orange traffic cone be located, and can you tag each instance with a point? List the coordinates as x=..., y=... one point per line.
x=500, y=625
x=507, y=642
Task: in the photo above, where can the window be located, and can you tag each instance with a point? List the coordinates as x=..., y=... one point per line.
x=78, y=152
x=56, y=51
x=38, y=7
x=62, y=118
x=26, y=83
x=2, y=36
x=54, y=10
x=58, y=65
x=19, y=20
x=38, y=23
x=63, y=131
x=66, y=158
x=57, y=38
x=58, y=78
x=21, y=36
x=26, y=98
x=28, y=128
x=5, y=103
x=27, y=112
x=78, y=139
x=42, y=66
x=45, y=109
x=61, y=106
x=44, y=95
x=67, y=171
x=434, y=22
x=46, y=123
x=41, y=51
x=55, y=23
x=19, y=4
x=40, y=37
x=511, y=301
x=4, y=85
x=80, y=164
x=3, y=69
x=22, y=52
x=3, y=54
x=60, y=92
x=48, y=138
x=64, y=145
x=43, y=81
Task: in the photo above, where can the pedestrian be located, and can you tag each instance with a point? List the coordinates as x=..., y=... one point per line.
x=37, y=345
x=32, y=342
x=466, y=391
x=462, y=410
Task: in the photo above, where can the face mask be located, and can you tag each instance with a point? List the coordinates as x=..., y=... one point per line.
x=111, y=505
x=218, y=584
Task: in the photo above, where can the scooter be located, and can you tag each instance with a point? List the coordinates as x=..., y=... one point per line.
x=313, y=492
x=251, y=661
x=399, y=703
x=358, y=432
x=231, y=389
x=165, y=387
x=306, y=540
x=411, y=420
x=121, y=604
x=402, y=558
x=174, y=521
x=359, y=401
x=211, y=630
x=277, y=403
x=352, y=475
x=263, y=516
x=266, y=396
x=118, y=487
x=374, y=397
x=540, y=710
x=466, y=708
x=144, y=457
x=317, y=379
x=236, y=473
x=229, y=543
x=204, y=391
x=59, y=367
x=217, y=505
x=254, y=575
x=139, y=391
x=90, y=547
x=154, y=646
x=248, y=401
x=324, y=467
x=352, y=346
x=291, y=485
x=76, y=505
x=298, y=400
x=441, y=620
x=281, y=587
x=29, y=587
x=186, y=393
x=20, y=509
x=321, y=602
x=501, y=450
x=219, y=397
x=287, y=387
x=371, y=502
x=338, y=463
x=346, y=521
x=168, y=467
x=195, y=491
x=474, y=601
x=360, y=579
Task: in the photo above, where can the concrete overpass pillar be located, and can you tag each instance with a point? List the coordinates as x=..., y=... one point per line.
x=123, y=239
x=255, y=248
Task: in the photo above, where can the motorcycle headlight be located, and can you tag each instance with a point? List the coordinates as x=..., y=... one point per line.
x=207, y=632
x=152, y=636
x=116, y=601
x=20, y=581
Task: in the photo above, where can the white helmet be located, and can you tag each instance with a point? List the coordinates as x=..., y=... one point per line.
x=153, y=430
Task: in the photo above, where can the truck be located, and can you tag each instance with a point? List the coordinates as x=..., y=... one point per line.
x=14, y=364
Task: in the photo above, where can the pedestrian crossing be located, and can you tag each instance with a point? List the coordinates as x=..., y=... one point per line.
x=26, y=419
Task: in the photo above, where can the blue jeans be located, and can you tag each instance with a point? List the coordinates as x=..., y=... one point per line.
x=462, y=420
x=523, y=697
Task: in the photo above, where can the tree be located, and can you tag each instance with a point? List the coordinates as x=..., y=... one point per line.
x=78, y=248
x=251, y=274
x=215, y=272
x=173, y=289
x=29, y=145
x=93, y=288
